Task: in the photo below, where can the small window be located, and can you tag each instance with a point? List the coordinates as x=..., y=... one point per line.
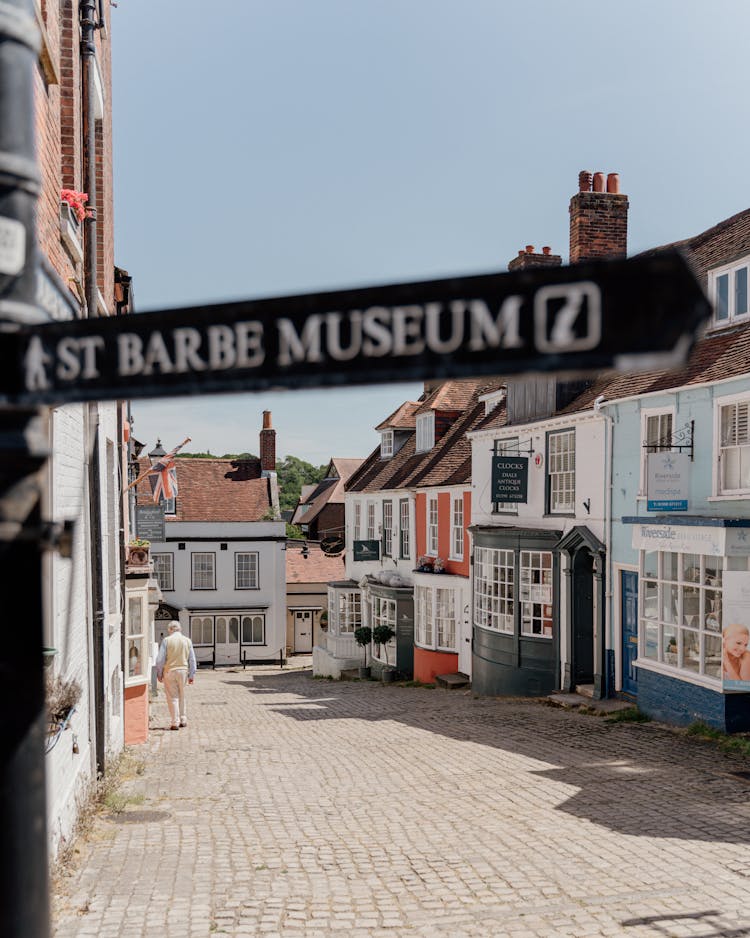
x=246, y=571
x=425, y=432
x=371, y=521
x=387, y=529
x=204, y=571
x=656, y=437
x=386, y=444
x=403, y=529
x=432, y=525
x=253, y=630
x=164, y=571
x=561, y=467
x=734, y=448
x=170, y=505
x=135, y=655
x=202, y=630
x=728, y=289
x=457, y=528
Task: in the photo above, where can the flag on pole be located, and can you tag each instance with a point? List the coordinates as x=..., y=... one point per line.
x=162, y=475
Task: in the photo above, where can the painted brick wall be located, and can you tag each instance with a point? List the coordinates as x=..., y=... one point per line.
x=681, y=703
x=445, y=511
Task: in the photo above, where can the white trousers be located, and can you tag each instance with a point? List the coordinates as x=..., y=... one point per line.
x=174, y=687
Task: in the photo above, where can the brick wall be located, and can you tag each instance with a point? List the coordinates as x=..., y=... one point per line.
x=598, y=219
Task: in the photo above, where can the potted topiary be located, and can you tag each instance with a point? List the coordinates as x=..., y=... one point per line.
x=138, y=552
x=381, y=635
x=363, y=637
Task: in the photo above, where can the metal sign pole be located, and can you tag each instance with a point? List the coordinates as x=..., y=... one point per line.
x=24, y=902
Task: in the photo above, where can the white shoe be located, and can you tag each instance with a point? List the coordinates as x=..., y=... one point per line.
x=183, y=721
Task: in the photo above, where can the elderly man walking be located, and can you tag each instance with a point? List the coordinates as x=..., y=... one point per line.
x=175, y=666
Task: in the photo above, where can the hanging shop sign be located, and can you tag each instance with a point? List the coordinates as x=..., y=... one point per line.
x=366, y=550
x=667, y=481
x=510, y=478
x=149, y=523
x=332, y=544
x=608, y=314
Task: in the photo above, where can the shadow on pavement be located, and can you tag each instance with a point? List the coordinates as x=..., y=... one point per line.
x=637, y=779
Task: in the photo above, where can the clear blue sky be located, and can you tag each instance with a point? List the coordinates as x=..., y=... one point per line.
x=267, y=148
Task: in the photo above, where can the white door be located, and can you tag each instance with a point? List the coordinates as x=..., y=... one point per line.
x=464, y=634
x=303, y=628
x=227, y=640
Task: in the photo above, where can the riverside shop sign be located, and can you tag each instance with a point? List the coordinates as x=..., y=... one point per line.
x=623, y=314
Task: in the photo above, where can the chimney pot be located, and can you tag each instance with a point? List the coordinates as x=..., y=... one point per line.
x=521, y=252
x=529, y=248
x=584, y=181
x=613, y=183
x=598, y=182
x=267, y=444
x=266, y=419
x=546, y=250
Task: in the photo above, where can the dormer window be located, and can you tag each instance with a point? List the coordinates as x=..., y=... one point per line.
x=386, y=444
x=425, y=432
x=728, y=288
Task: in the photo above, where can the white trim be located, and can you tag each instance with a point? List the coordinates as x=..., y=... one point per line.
x=687, y=676
x=724, y=270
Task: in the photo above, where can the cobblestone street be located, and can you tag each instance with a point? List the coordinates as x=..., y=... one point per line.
x=298, y=807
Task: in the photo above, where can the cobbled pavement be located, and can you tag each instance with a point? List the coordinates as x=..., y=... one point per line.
x=299, y=808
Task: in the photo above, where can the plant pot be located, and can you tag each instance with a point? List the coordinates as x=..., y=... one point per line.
x=364, y=673
x=137, y=556
x=388, y=675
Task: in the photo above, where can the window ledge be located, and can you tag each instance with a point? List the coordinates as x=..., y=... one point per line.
x=744, y=496
x=687, y=676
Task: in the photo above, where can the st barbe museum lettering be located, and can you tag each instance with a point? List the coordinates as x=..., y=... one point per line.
x=589, y=316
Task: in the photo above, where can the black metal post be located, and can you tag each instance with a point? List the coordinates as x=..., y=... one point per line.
x=24, y=903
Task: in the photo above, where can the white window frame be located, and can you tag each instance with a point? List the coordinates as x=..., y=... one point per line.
x=383, y=612
x=425, y=439
x=344, y=611
x=357, y=521
x=719, y=457
x=432, y=517
x=647, y=414
x=386, y=444
x=165, y=578
x=558, y=478
x=404, y=532
x=730, y=271
x=457, y=527
x=536, y=592
x=372, y=530
x=203, y=622
x=494, y=589
x=136, y=640
x=388, y=528
x=257, y=619
x=209, y=573
x=253, y=570
x=436, y=627
x=667, y=583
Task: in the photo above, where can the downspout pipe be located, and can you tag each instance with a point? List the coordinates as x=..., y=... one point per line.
x=88, y=59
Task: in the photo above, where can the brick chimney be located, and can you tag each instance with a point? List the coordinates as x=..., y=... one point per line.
x=598, y=218
x=267, y=444
x=529, y=258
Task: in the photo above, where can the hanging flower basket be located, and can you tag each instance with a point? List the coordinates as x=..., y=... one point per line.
x=138, y=552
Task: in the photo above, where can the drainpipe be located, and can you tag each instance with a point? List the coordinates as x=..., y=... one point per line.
x=89, y=24
x=608, y=483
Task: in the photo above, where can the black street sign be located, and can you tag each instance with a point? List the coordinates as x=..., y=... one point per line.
x=510, y=478
x=627, y=314
x=149, y=523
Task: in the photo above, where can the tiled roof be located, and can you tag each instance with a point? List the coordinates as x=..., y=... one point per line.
x=717, y=355
x=403, y=418
x=316, y=568
x=451, y=396
x=447, y=463
x=215, y=490
x=329, y=491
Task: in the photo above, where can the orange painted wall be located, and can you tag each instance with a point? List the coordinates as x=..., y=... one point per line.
x=428, y=664
x=136, y=714
x=459, y=567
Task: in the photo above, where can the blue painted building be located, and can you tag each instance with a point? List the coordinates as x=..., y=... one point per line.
x=678, y=442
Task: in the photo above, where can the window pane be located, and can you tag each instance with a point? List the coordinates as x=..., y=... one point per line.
x=740, y=291
x=221, y=630
x=722, y=297
x=234, y=629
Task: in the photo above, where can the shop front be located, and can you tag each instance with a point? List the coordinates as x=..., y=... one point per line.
x=693, y=623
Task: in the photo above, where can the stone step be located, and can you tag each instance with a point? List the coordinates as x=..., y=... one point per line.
x=585, y=690
x=573, y=701
x=453, y=681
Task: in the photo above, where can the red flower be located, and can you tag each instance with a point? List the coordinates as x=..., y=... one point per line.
x=77, y=201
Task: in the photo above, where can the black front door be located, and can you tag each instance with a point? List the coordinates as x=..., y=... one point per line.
x=583, y=618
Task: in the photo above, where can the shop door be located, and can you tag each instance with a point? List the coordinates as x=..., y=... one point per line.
x=227, y=640
x=303, y=627
x=583, y=618
x=629, y=619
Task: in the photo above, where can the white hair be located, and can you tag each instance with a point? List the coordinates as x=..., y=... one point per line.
x=174, y=626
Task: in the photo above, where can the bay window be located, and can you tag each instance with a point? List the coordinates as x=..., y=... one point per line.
x=435, y=625
x=494, y=580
